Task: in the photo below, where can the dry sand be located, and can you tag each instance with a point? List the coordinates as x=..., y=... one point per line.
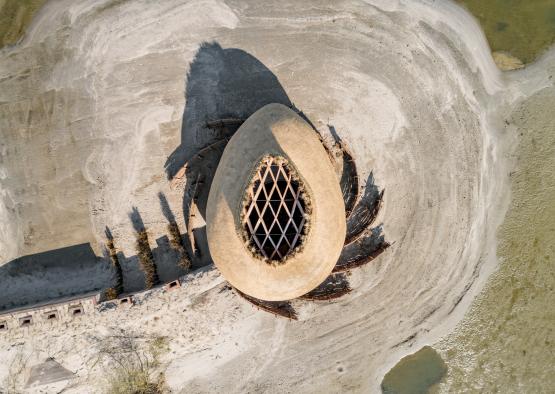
x=92, y=104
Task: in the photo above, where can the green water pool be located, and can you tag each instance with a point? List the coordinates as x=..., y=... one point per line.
x=506, y=342
x=522, y=28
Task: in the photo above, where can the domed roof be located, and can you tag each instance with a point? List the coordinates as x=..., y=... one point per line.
x=275, y=213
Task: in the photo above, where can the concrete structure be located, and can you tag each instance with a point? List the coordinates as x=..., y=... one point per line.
x=50, y=371
x=63, y=310
x=278, y=131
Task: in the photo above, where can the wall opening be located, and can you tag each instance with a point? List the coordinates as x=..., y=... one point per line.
x=51, y=315
x=76, y=310
x=274, y=217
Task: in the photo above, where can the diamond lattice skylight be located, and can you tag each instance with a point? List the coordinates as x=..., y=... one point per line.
x=274, y=217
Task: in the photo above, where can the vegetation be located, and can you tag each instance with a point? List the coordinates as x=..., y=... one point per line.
x=118, y=288
x=133, y=380
x=522, y=28
x=15, y=16
x=111, y=294
x=146, y=260
x=176, y=243
x=131, y=370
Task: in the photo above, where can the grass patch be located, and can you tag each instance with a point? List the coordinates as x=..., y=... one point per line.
x=176, y=243
x=15, y=17
x=523, y=28
x=118, y=288
x=131, y=370
x=146, y=260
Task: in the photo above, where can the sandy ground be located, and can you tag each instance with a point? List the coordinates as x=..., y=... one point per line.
x=97, y=97
x=506, y=341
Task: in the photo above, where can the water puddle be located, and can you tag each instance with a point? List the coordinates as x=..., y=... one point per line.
x=521, y=28
x=417, y=373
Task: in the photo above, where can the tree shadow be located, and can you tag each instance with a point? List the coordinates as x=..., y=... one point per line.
x=110, y=253
x=108, y=233
x=136, y=220
x=54, y=274
x=165, y=208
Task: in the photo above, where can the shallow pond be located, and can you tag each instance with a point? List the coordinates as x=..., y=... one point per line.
x=523, y=28
x=415, y=374
x=506, y=342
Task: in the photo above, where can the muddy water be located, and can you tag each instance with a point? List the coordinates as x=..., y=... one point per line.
x=522, y=28
x=415, y=374
x=15, y=16
x=506, y=342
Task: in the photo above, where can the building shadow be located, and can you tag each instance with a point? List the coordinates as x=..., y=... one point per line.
x=54, y=274
x=73, y=271
x=221, y=84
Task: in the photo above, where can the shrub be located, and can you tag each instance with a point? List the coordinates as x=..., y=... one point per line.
x=118, y=288
x=110, y=294
x=131, y=370
x=133, y=381
x=146, y=260
x=176, y=243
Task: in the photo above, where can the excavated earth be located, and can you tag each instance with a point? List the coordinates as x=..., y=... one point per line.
x=103, y=102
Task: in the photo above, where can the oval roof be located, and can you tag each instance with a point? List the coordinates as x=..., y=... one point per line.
x=275, y=130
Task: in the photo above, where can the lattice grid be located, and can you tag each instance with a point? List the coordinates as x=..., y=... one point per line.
x=274, y=217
